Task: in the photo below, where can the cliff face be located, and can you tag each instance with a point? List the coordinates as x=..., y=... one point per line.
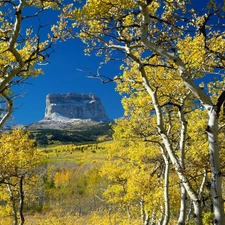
x=74, y=106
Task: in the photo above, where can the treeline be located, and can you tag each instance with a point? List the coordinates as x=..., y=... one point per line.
x=115, y=182
x=46, y=137
x=73, y=185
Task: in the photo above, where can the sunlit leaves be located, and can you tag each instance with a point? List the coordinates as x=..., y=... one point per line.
x=22, y=45
x=18, y=153
x=167, y=49
x=62, y=178
x=44, y=3
x=192, y=51
x=18, y=161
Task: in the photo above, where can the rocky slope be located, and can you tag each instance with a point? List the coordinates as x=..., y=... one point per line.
x=74, y=106
x=66, y=111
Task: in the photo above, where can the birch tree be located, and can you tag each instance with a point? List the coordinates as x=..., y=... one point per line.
x=139, y=127
x=138, y=174
x=18, y=159
x=168, y=47
x=23, y=45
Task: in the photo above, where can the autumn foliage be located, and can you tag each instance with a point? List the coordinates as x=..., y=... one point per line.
x=172, y=63
x=165, y=164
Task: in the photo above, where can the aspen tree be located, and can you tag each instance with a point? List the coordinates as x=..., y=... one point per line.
x=167, y=48
x=22, y=46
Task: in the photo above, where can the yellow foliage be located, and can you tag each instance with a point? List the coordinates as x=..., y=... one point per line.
x=167, y=49
x=17, y=152
x=62, y=178
x=95, y=218
x=22, y=46
x=132, y=176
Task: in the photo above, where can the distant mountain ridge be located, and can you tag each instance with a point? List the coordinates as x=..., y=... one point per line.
x=74, y=106
x=70, y=118
x=70, y=110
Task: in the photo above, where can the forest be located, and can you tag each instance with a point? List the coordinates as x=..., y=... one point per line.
x=165, y=161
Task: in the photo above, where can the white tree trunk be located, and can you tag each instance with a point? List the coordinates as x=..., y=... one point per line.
x=183, y=193
x=144, y=214
x=168, y=147
x=176, y=163
x=212, y=129
x=13, y=201
x=216, y=182
x=183, y=205
x=166, y=217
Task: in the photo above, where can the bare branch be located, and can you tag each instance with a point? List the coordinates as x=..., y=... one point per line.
x=9, y=110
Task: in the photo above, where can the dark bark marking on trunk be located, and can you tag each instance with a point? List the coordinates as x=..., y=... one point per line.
x=220, y=102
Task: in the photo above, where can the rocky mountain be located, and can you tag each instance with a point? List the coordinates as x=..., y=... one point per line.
x=70, y=118
x=71, y=110
x=75, y=106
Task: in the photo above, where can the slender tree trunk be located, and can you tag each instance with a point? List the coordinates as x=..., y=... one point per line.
x=142, y=210
x=197, y=212
x=183, y=193
x=160, y=124
x=176, y=163
x=21, y=194
x=146, y=222
x=189, y=213
x=12, y=199
x=212, y=129
x=128, y=213
x=166, y=217
x=183, y=205
x=152, y=221
x=144, y=214
x=216, y=182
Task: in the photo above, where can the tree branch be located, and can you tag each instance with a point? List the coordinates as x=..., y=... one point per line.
x=9, y=110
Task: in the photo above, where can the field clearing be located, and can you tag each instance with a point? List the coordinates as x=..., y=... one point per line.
x=80, y=154
x=68, y=176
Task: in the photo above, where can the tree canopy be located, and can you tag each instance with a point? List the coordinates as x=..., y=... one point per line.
x=23, y=45
x=18, y=159
x=172, y=62
x=170, y=143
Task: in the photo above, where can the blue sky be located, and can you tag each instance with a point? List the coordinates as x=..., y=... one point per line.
x=62, y=76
